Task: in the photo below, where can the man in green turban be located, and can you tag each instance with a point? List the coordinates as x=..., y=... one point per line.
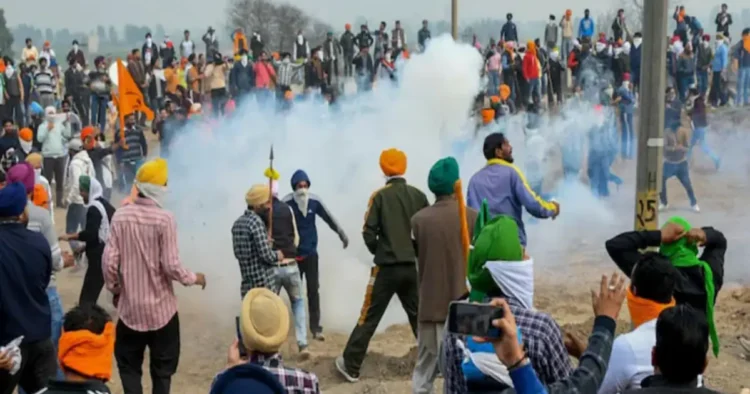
x=700, y=278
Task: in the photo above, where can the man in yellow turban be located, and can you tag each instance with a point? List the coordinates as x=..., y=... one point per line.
x=388, y=236
x=141, y=260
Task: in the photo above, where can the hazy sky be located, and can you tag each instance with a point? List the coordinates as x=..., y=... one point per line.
x=177, y=14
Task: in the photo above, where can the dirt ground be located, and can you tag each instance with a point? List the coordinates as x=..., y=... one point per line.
x=563, y=280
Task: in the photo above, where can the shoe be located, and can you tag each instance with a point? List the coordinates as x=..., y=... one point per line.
x=318, y=336
x=341, y=367
x=696, y=208
x=304, y=354
x=663, y=207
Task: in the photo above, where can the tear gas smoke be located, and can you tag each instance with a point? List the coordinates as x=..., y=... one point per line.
x=424, y=116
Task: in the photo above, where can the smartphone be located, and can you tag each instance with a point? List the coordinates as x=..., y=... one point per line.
x=466, y=318
x=241, y=345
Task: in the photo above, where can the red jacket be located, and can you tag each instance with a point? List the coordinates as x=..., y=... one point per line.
x=530, y=67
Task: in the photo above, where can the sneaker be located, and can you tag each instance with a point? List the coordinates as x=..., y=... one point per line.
x=663, y=207
x=696, y=208
x=304, y=354
x=318, y=336
x=341, y=367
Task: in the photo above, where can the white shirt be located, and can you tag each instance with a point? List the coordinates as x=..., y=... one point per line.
x=187, y=48
x=630, y=362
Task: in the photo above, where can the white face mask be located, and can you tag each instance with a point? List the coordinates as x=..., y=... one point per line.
x=554, y=55
x=148, y=41
x=9, y=71
x=388, y=57
x=637, y=41
x=626, y=84
x=75, y=48
x=243, y=60
x=301, y=197
x=26, y=145
x=320, y=55
x=705, y=44
x=300, y=39
x=286, y=60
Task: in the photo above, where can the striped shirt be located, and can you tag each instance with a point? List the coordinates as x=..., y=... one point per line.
x=140, y=262
x=44, y=82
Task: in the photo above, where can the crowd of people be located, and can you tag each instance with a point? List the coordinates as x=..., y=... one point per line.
x=54, y=155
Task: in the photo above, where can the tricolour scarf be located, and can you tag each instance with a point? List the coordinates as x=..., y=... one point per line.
x=643, y=310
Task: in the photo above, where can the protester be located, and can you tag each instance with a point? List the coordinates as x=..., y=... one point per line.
x=651, y=291
x=423, y=35
x=700, y=278
x=251, y=244
x=586, y=27
x=387, y=235
x=509, y=31
x=86, y=350
x=441, y=248
x=95, y=234
x=53, y=135
x=80, y=165
x=100, y=86
x=719, y=66
x=140, y=262
x=347, y=46
x=134, y=149
x=679, y=356
x=14, y=95
x=26, y=268
x=307, y=208
x=699, y=115
x=723, y=21
x=504, y=186
x=264, y=328
x=35, y=159
x=675, y=153
x=45, y=83
x=741, y=65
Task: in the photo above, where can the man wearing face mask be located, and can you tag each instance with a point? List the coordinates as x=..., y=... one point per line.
x=364, y=38
x=556, y=71
x=635, y=63
x=256, y=45
x=509, y=32
x=242, y=78
x=300, y=49
x=150, y=52
x=212, y=44
x=10, y=148
x=14, y=94
x=307, y=208
x=76, y=55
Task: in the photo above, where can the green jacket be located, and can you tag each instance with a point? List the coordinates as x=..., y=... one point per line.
x=387, y=230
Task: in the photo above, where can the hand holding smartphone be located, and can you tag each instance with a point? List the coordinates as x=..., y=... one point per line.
x=466, y=318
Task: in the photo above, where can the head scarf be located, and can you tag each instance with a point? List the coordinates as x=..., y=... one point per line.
x=13, y=199
x=494, y=240
x=530, y=47
x=264, y=321
x=643, y=310
x=22, y=173
x=40, y=197
x=684, y=254
x=393, y=162
x=88, y=354
x=95, y=190
x=35, y=159
x=25, y=138
x=257, y=195
x=488, y=115
x=86, y=132
x=151, y=179
x=443, y=176
x=504, y=92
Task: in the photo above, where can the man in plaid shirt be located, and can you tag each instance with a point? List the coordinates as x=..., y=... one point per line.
x=250, y=242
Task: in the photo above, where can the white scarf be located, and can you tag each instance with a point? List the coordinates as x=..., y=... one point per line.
x=302, y=197
x=95, y=192
x=515, y=279
x=151, y=191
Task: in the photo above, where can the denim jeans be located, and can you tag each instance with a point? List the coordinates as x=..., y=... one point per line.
x=699, y=138
x=288, y=277
x=535, y=89
x=679, y=170
x=743, y=86
x=702, y=81
x=99, y=111
x=627, y=135
x=129, y=169
x=599, y=174
x=493, y=83
x=567, y=47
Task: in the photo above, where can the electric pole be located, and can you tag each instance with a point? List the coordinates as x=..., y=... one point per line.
x=651, y=123
x=454, y=19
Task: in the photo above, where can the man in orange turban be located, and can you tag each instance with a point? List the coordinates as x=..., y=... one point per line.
x=86, y=350
x=388, y=236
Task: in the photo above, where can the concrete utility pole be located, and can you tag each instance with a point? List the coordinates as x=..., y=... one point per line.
x=454, y=19
x=651, y=124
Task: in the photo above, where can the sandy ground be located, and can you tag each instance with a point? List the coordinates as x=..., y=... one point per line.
x=564, y=276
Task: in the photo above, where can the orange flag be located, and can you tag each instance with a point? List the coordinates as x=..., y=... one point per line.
x=129, y=99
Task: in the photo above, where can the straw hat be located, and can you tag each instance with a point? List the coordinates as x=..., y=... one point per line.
x=264, y=321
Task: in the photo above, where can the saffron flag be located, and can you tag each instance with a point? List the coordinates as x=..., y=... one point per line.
x=129, y=99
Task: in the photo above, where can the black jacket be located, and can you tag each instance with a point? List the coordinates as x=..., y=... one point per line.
x=363, y=40
x=283, y=232
x=90, y=234
x=624, y=250
x=657, y=384
x=74, y=82
x=154, y=55
x=347, y=42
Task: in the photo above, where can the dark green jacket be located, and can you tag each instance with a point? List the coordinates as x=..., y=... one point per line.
x=387, y=230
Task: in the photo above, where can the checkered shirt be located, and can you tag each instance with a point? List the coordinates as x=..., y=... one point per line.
x=294, y=380
x=542, y=340
x=253, y=251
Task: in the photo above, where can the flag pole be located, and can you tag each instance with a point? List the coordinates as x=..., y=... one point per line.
x=270, y=194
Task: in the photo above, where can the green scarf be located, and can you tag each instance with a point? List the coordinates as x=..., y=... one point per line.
x=494, y=239
x=684, y=254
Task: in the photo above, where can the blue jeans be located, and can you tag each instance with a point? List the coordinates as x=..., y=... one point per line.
x=599, y=174
x=627, y=134
x=493, y=83
x=679, y=170
x=743, y=86
x=129, y=169
x=288, y=277
x=567, y=47
x=99, y=111
x=535, y=89
x=699, y=138
x=702, y=81
x=683, y=87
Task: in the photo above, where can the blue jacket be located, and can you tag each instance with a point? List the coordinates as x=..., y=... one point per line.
x=25, y=271
x=306, y=227
x=721, y=58
x=586, y=27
